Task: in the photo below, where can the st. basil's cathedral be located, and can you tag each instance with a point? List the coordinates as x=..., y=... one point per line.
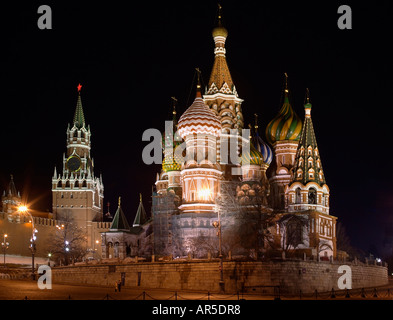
x=281, y=176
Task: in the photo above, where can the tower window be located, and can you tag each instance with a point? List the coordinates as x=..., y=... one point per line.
x=311, y=173
x=312, y=196
x=298, y=198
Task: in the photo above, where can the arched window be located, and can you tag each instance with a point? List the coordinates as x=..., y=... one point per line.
x=116, y=250
x=312, y=196
x=76, y=184
x=310, y=162
x=299, y=174
x=67, y=185
x=298, y=198
x=311, y=173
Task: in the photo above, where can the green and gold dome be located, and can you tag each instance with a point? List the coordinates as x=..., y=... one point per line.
x=172, y=162
x=252, y=157
x=286, y=125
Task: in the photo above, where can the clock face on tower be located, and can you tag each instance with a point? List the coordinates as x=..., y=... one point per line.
x=74, y=163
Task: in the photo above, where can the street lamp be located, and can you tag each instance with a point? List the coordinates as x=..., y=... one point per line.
x=217, y=225
x=24, y=210
x=5, y=244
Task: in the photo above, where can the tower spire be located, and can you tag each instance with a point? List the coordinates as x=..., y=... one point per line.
x=308, y=177
x=220, y=74
x=221, y=91
x=79, y=118
x=308, y=164
x=140, y=216
x=198, y=87
x=219, y=16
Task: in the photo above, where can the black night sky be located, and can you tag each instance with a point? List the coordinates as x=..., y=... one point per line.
x=130, y=59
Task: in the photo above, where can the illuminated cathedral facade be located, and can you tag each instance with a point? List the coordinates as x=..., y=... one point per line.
x=199, y=192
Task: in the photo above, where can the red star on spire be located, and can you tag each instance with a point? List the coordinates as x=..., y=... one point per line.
x=79, y=87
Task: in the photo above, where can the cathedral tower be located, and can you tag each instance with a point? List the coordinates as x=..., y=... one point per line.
x=76, y=193
x=200, y=128
x=222, y=98
x=221, y=95
x=308, y=193
x=283, y=133
x=308, y=189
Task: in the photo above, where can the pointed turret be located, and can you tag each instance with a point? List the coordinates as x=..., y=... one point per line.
x=220, y=77
x=308, y=166
x=11, y=190
x=11, y=198
x=308, y=189
x=79, y=118
x=140, y=217
x=221, y=95
x=119, y=222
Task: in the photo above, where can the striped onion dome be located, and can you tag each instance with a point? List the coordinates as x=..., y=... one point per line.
x=252, y=156
x=199, y=119
x=264, y=149
x=286, y=125
x=260, y=145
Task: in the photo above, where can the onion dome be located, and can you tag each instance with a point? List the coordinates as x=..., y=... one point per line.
x=286, y=125
x=219, y=31
x=260, y=145
x=251, y=156
x=198, y=118
x=172, y=162
x=170, y=141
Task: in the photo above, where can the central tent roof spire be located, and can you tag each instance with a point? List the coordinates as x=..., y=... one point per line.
x=220, y=77
x=79, y=118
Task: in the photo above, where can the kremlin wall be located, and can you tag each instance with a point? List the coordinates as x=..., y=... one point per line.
x=247, y=276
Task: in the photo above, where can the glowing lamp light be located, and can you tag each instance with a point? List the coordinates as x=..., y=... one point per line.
x=204, y=194
x=22, y=209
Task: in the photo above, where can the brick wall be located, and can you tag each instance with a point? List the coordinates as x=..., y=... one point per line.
x=292, y=276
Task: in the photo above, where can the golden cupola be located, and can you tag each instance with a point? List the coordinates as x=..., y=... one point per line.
x=286, y=125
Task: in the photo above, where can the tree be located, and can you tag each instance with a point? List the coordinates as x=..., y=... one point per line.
x=344, y=243
x=68, y=243
x=246, y=219
x=292, y=226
